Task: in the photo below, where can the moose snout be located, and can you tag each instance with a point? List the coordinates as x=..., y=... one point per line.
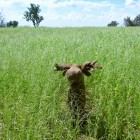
x=74, y=75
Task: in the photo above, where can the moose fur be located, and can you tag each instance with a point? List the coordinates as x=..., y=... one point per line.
x=76, y=95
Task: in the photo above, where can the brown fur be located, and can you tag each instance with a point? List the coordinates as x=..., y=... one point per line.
x=76, y=95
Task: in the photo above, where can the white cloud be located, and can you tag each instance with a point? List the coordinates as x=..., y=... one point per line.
x=74, y=3
x=70, y=12
x=75, y=17
x=129, y=2
x=133, y=3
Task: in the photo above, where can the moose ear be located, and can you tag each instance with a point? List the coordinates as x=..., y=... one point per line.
x=65, y=67
x=64, y=72
x=87, y=73
x=86, y=67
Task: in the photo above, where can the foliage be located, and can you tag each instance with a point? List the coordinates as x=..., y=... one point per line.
x=33, y=14
x=113, y=23
x=128, y=22
x=137, y=20
x=33, y=96
x=12, y=24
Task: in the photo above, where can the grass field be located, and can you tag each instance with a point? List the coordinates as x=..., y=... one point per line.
x=33, y=96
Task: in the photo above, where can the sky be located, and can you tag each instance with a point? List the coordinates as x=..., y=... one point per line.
x=72, y=13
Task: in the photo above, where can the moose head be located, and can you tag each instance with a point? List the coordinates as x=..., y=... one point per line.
x=75, y=73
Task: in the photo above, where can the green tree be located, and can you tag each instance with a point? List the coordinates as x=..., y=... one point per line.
x=12, y=24
x=15, y=23
x=128, y=22
x=113, y=23
x=137, y=20
x=33, y=14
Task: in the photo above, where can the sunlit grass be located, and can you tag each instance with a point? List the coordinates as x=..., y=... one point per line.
x=33, y=96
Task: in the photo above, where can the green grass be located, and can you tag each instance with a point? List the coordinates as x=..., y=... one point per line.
x=33, y=96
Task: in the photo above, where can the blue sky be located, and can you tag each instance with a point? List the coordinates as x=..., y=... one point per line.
x=61, y=13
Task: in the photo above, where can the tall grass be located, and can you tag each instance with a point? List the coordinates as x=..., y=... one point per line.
x=33, y=96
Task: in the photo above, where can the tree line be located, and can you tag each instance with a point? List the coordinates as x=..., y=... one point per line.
x=8, y=24
x=32, y=14
x=127, y=22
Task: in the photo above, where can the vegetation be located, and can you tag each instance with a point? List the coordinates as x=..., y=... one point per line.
x=137, y=20
x=33, y=96
x=33, y=14
x=8, y=24
x=129, y=22
x=113, y=23
x=12, y=24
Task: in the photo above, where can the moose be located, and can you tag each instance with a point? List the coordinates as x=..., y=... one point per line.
x=76, y=94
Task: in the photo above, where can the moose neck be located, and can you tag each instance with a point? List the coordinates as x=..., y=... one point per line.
x=77, y=86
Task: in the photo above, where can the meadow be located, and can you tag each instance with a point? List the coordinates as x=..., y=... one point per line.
x=33, y=96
